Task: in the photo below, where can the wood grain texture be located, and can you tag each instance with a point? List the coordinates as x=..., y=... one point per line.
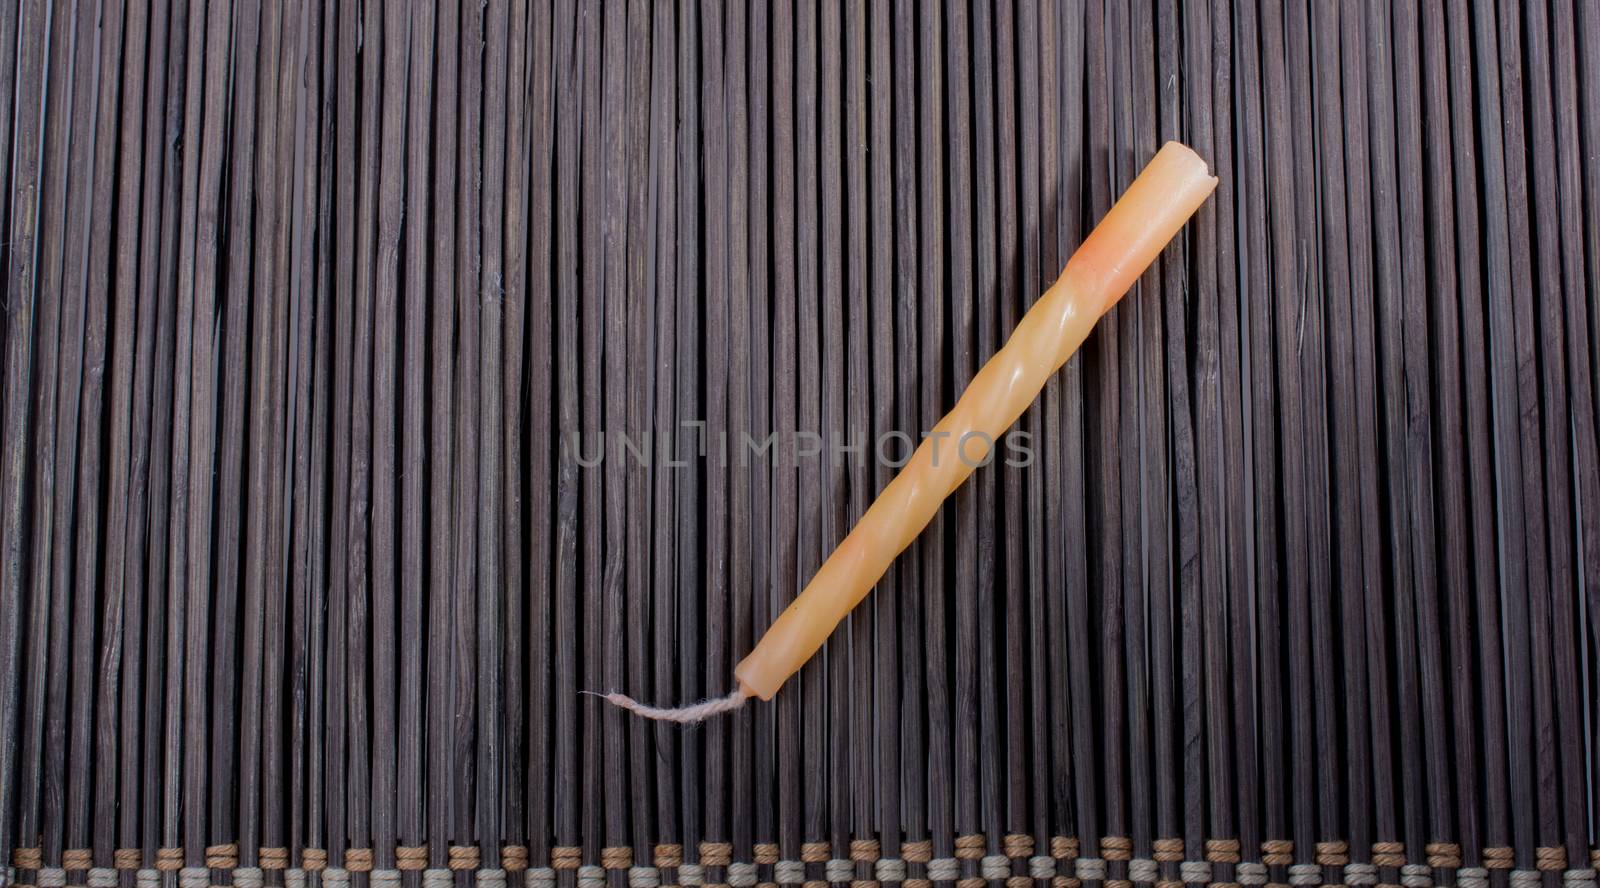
x=377, y=377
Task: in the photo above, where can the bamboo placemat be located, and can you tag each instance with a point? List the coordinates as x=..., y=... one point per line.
x=315, y=315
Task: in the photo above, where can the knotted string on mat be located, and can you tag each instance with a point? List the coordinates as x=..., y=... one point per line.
x=683, y=715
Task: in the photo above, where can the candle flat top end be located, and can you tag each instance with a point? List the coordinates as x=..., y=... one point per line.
x=1157, y=204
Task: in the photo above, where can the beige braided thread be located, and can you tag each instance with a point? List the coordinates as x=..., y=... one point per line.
x=1392, y=854
x=1019, y=882
x=169, y=860
x=1117, y=883
x=462, y=857
x=1550, y=859
x=971, y=882
x=620, y=857
x=1222, y=851
x=1499, y=857
x=27, y=858
x=711, y=854
x=1335, y=853
x=127, y=858
x=1274, y=852
x=222, y=857
x=1277, y=852
x=667, y=856
x=917, y=883
x=1594, y=858
x=570, y=857
x=815, y=883
x=1443, y=855
x=1224, y=885
x=1017, y=845
x=272, y=858
x=513, y=858
x=1387, y=885
x=411, y=857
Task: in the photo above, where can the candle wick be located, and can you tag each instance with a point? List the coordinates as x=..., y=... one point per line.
x=683, y=715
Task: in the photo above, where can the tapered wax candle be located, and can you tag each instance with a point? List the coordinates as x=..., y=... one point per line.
x=1126, y=241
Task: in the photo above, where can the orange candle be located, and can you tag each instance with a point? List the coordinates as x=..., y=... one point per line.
x=1120, y=248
